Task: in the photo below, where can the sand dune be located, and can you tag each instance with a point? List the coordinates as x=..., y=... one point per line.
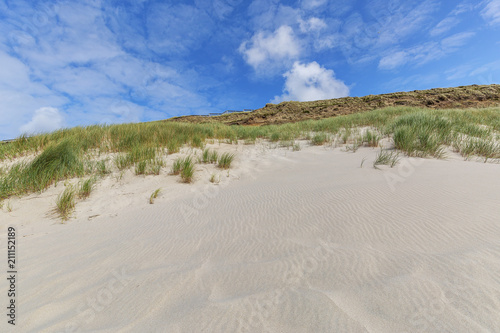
x=303, y=241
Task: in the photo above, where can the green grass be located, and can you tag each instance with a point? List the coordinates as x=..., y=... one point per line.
x=140, y=167
x=470, y=146
x=319, y=139
x=69, y=153
x=65, y=203
x=214, y=179
x=85, y=187
x=184, y=167
x=225, y=160
x=187, y=170
x=102, y=168
x=176, y=167
x=371, y=138
x=385, y=157
x=154, y=195
x=56, y=162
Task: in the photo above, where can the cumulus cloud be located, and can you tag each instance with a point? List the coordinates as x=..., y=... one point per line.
x=46, y=119
x=491, y=12
x=310, y=82
x=266, y=49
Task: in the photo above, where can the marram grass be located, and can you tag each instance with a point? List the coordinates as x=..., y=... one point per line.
x=415, y=132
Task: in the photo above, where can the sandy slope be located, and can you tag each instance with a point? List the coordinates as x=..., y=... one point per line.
x=302, y=241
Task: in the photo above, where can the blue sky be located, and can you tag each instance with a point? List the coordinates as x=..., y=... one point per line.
x=70, y=63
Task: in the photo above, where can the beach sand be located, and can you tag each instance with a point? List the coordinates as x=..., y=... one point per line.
x=306, y=241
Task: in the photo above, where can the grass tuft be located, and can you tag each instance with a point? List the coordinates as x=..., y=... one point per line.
x=187, y=170
x=319, y=139
x=385, y=157
x=154, y=195
x=225, y=160
x=65, y=203
x=86, y=187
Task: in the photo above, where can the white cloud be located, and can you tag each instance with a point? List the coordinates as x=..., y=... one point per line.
x=270, y=14
x=45, y=119
x=394, y=60
x=310, y=82
x=266, y=49
x=76, y=58
x=491, y=12
x=313, y=24
x=445, y=25
x=312, y=4
x=452, y=43
x=423, y=53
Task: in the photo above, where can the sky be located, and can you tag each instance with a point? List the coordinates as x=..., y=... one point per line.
x=77, y=63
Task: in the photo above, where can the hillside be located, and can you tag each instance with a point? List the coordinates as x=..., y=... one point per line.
x=474, y=96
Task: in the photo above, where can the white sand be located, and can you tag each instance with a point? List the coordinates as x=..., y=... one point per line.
x=302, y=241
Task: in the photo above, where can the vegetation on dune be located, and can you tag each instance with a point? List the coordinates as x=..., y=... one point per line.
x=154, y=195
x=225, y=160
x=477, y=96
x=76, y=152
x=65, y=203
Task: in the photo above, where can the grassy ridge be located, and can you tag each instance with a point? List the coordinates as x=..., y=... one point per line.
x=66, y=153
x=473, y=96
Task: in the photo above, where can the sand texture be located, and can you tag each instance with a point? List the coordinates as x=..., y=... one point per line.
x=305, y=241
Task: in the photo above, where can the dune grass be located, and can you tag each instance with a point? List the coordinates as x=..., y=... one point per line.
x=56, y=162
x=319, y=139
x=187, y=170
x=65, y=203
x=154, y=195
x=415, y=132
x=225, y=160
x=85, y=187
x=184, y=167
x=385, y=157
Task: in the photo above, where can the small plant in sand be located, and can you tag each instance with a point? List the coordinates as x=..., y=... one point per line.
x=296, y=146
x=353, y=146
x=214, y=179
x=205, y=156
x=154, y=195
x=225, y=160
x=362, y=162
x=66, y=203
x=154, y=166
x=385, y=157
x=184, y=167
x=187, y=170
x=176, y=167
x=86, y=187
x=214, y=156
